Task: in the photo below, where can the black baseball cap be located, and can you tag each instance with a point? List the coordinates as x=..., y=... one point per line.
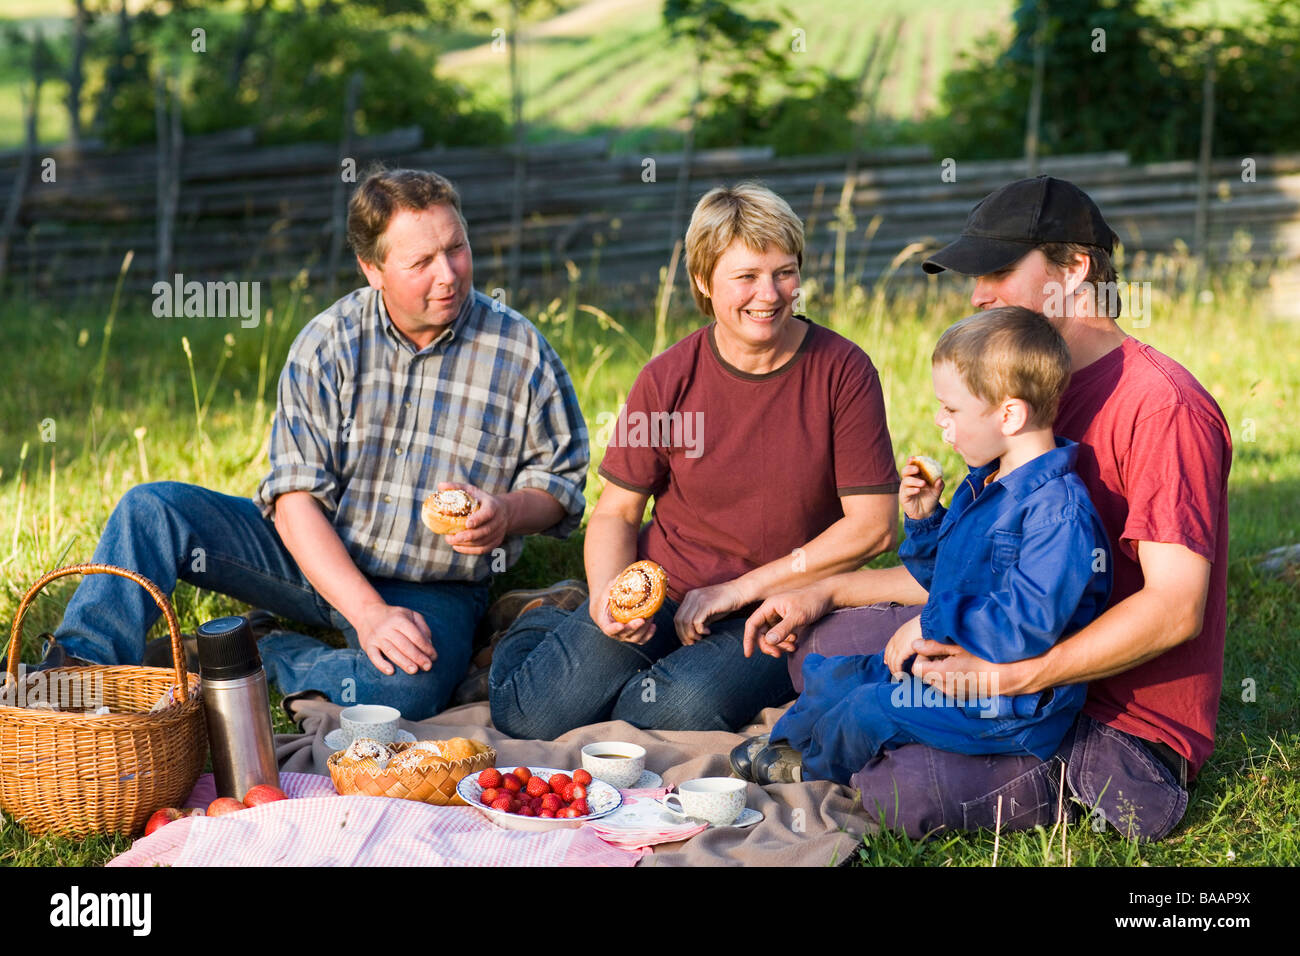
x=1012, y=221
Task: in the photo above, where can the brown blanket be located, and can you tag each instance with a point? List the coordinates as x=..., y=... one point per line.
x=804, y=824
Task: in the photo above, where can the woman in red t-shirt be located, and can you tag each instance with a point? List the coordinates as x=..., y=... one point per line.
x=762, y=440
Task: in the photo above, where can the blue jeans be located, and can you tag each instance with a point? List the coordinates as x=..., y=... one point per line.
x=919, y=789
x=169, y=531
x=554, y=670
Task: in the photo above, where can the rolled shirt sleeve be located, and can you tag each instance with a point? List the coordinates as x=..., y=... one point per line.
x=555, y=454
x=306, y=423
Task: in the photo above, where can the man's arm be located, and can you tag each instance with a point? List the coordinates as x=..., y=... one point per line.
x=1168, y=610
x=526, y=511
x=386, y=633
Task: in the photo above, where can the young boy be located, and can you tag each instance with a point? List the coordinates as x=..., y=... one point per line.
x=1019, y=560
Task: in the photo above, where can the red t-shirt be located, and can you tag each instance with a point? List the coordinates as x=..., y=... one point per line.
x=1155, y=457
x=746, y=468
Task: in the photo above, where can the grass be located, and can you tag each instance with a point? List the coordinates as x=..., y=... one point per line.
x=97, y=401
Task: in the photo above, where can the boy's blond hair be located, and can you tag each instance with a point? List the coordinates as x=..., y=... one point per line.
x=750, y=212
x=1009, y=352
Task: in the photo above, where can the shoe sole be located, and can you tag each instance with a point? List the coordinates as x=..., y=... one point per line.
x=506, y=608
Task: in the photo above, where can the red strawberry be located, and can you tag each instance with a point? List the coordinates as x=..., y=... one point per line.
x=552, y=802
x=535, y=803
x=581, y=807
x=559, y=781
x=579, y=792
x=568, y=813
x=524, y=774
x=582, y=777
x=512, y=783
x=527, y=812
x=549, y=814
x=567, y=792
x=538, y=787
x=490, y=795
x=503, y=803
x=489, y=778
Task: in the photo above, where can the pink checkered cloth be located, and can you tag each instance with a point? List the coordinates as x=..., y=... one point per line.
x=317, y=827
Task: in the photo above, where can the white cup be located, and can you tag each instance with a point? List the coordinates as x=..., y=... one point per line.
x=375, y=721
x=616, y=763
x=716, y=800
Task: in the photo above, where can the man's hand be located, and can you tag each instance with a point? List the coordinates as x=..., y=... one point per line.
x=486, y=528
x=900, y=648
x=776, y=626
x=703, y=605
x=940, y=665
x=396, y=634
x=635, y=631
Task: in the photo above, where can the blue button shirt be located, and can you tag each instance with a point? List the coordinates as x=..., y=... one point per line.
x=1012, y=566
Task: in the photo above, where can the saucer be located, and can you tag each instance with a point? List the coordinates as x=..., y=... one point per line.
x=649, y=780
x=748, y=817
x=337, y=740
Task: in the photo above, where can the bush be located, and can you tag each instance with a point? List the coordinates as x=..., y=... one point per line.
x=1143, y=94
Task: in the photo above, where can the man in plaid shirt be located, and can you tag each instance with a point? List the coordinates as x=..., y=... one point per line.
x=412, y=384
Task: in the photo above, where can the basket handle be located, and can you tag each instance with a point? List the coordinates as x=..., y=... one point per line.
x=178, y=654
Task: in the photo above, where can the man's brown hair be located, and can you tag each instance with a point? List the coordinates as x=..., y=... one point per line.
x=1009, y=352
x=1101, y=272
x=384, y=192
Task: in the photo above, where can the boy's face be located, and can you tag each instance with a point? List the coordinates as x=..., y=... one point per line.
x=970, y=425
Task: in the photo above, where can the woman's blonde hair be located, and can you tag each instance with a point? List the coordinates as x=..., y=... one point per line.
x=750, y=212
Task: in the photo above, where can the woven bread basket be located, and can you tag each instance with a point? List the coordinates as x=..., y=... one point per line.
x=435, y=784
x=76, y=774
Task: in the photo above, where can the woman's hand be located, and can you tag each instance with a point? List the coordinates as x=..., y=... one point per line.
x=777, y=624
x=635, y=631
x=917, y=497
x=703, y=605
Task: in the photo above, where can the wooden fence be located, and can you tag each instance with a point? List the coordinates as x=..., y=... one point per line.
x=267, y=212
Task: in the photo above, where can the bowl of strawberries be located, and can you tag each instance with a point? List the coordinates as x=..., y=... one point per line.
x=538, y=798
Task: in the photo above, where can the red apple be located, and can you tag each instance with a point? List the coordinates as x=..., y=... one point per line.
x=161, y=818
x=167, y=815
x=263, y=793
x=224, y=805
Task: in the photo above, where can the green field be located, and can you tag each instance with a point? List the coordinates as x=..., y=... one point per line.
x=73, y=405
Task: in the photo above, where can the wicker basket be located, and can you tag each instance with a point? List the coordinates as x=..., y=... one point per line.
x=76, y=774
x=435, y=785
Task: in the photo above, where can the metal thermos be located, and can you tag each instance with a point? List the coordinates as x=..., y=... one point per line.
x=238, y=707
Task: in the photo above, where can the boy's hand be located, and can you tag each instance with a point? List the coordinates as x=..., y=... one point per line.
x=900, y=648
x=918, y=498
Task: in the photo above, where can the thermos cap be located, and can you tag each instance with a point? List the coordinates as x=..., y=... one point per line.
x=227, y=649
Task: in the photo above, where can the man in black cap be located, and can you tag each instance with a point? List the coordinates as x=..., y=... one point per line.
x=1155, y=454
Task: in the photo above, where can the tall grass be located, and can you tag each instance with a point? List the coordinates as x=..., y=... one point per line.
x=152, y=409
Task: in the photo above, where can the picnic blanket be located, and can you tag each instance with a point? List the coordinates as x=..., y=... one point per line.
x=804, y=824
x=319, y=828
x=808, y=824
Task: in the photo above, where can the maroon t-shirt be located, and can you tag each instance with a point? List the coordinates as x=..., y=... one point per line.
x=1155, y=453
x=746, y=468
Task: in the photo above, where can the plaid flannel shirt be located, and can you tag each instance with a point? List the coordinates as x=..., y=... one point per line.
x=369, y=425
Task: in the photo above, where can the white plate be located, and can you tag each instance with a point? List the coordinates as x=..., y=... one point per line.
x=748, y=817
x=338, y=740
x=601, y=798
